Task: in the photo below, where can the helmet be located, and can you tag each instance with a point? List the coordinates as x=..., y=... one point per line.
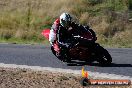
x=65, y=19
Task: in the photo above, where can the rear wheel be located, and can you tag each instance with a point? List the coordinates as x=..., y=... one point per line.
x=63, y=57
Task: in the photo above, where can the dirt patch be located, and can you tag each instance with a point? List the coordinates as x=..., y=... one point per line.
x=25, y=78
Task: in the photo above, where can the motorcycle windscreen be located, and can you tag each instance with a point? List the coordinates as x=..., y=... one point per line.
x=46, y=33
x=88, y=35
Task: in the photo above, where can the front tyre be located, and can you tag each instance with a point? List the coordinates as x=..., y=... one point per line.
x=104, y=57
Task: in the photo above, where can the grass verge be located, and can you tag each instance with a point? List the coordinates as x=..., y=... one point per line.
x=22, y=21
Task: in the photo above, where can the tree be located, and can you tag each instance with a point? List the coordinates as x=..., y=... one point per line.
x=130, y=5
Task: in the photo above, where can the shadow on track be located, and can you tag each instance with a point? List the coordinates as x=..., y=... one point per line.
x=75, y=63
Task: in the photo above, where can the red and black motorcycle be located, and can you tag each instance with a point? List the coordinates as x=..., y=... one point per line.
x=83, y=49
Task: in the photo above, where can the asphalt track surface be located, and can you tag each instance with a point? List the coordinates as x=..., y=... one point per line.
x=40, y=55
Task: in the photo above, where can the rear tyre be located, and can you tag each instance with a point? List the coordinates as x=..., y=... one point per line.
x=60, y=56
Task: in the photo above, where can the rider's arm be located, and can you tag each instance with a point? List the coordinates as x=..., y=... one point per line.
x=60, y=37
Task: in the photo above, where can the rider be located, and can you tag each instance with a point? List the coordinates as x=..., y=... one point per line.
x=62, y=30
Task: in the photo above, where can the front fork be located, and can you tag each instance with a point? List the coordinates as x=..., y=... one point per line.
x=95, y=52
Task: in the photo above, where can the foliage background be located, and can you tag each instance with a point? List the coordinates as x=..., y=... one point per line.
x=21, y=21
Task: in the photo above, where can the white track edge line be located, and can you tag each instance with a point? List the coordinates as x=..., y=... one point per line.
x=77, y=72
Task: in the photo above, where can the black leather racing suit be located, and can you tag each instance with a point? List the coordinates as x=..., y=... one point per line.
x=64, y=35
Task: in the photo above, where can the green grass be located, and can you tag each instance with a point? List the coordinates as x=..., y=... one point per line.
x=22, y=41
x=22, y=21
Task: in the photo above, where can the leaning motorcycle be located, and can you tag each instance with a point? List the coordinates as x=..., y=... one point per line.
x=83, y=49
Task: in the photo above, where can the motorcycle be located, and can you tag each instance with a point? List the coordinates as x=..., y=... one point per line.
x=82, y=49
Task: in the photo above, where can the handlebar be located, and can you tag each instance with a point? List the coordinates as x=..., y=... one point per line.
x=81, y=37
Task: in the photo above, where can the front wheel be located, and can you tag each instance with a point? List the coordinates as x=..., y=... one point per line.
x=104, y=57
